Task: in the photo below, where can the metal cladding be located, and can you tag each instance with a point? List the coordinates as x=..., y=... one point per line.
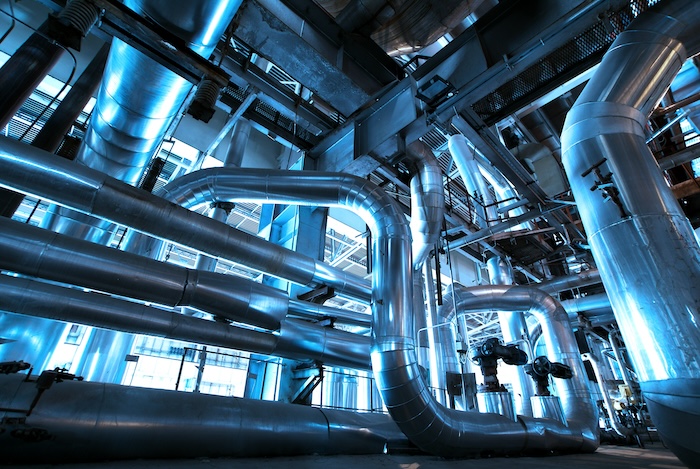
x=131, y=423
x=465, y=160
x=44, y=254
x=427, y=201
x=514, y=331
x=296, y=339
x=581, y=431
x=37, y=172
x=394, y=361
x=642, y=242
x=139, y=97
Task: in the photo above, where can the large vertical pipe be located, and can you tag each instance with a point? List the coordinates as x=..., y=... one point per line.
x=514, y=329
x=642, y=242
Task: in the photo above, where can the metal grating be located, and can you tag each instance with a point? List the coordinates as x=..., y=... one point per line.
x=264, y=113
x=574, y=56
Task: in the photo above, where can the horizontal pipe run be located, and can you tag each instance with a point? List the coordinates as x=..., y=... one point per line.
x=47, y=176
x=87, y=421
x=559, y=284
x=36, y=252
x=298, y=340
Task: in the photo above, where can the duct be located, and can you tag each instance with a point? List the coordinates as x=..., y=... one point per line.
x=36, y=172
x=137, y=101
x=596, y=303
x=427, y=201
x=582, y=279
x=642, y=235
x=41, y=253
x=139, y=97
x=514, y=330
x=428, y=425
x=296, y=339
x=135, y=423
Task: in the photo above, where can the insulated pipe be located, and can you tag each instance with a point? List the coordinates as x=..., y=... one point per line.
x=44, y=254
x=139, y=97
x=427, y=424
x=19, y=77
x=463, y=157
x=642, y=242
x=296, y=339
x=47, y=176
x=562, y=347
x=136, y=423
x=598, y=302
x=64, y=116
x=514, y=330
x=570, y=282
x=427, y=201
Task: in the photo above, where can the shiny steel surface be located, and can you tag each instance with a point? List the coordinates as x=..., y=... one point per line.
x=595, y=303
x=648, y=257
x=465, y=160
x=296, y=339
x=41, y=253
x=133, y=423
x=427, y=201
x=139, y=97
x=514, y=330
x=429, y=425
x=581, y=413
x=28, y=170
x=547, y=407
x=500, y=403
x=569, y=282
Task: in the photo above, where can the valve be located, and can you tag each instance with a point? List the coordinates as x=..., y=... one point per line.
x=7, y=368
x=486, y=355
x=541, y=368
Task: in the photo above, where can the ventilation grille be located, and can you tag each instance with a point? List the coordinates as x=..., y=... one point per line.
x=575, y=56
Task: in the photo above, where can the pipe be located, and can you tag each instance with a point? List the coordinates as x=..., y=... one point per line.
x=136, y=423
x=614, y=421
x=139, y=97
x=427, y=201
x=296, y=339
x=514, y=330
x=613, y=338
x=463, y=157
x=428, y=425
x=597, y=303
x=641, y=234
x=44, y=254
x=44, y=175
x=59, y=123
x=570, y=282
x=19, y=77
x=561, y=346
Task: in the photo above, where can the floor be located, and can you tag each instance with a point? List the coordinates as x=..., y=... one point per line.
x=653, y=456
